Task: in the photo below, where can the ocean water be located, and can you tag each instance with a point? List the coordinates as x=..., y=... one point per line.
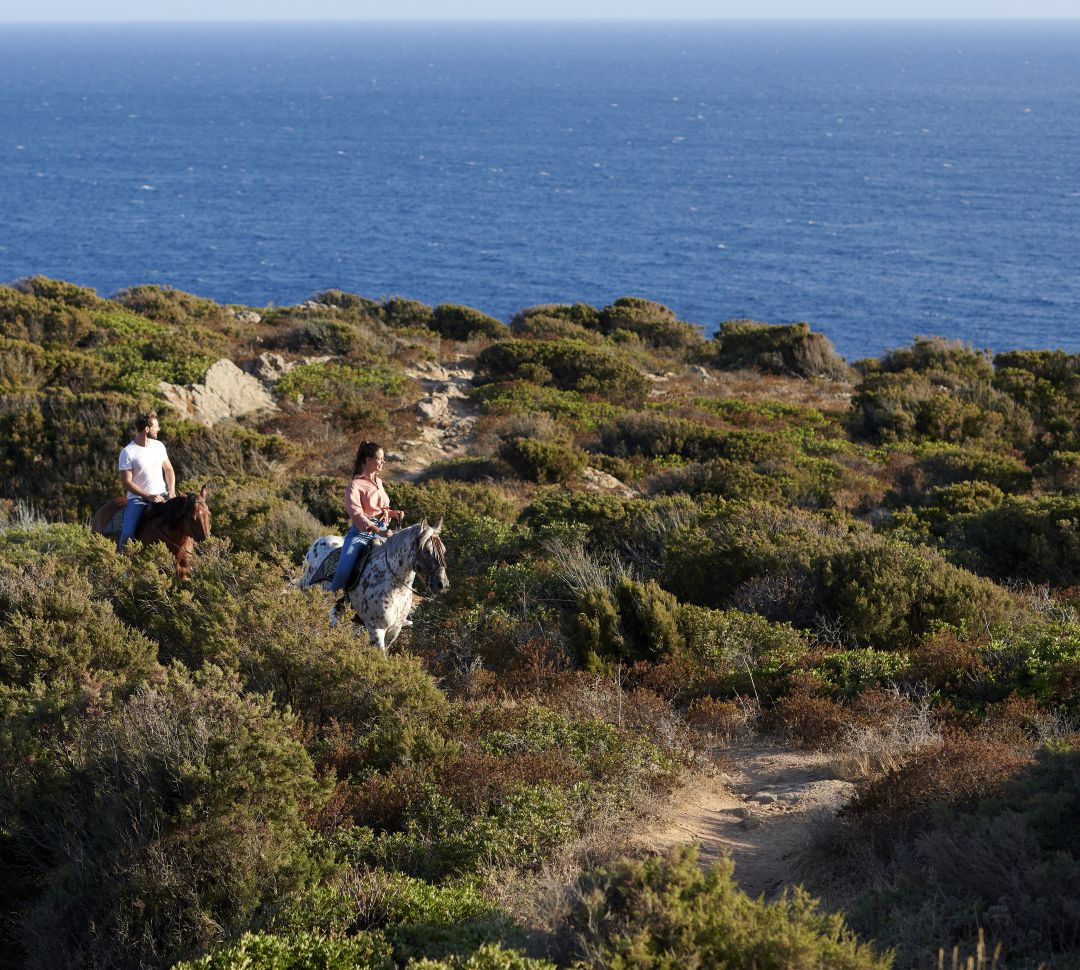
x=877, y=180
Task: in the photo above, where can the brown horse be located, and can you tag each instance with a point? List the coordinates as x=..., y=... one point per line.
x=178, y=522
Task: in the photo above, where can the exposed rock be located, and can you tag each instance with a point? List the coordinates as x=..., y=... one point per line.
x=246, y=316
x=701, y=372
x=225, y=393
x=448, y=412
x=268, y=368
x=594, y=480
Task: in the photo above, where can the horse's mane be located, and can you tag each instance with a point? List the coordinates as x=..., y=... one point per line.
x=171, y=512
x=404, y=537
x=399, y=537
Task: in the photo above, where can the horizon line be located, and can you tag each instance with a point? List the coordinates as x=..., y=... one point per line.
x=604, y=19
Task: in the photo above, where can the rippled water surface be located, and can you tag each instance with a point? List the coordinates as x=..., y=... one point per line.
x=879, y=181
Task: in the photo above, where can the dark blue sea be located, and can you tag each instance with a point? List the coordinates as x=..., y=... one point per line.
x=879, y=180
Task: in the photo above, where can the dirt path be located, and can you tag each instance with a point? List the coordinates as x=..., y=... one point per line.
x=762, y=812
x=448, y=416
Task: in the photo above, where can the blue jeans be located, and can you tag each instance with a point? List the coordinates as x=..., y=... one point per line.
x=133, y=513
x=355, y=543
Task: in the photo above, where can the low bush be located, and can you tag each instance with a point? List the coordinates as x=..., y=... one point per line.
x=1001, y=856
x=299, y=951
x=887, y=594
x=1020, y=538
x=571, y=365
x=952, y=774
x=175, y=817
x=652, y=323
x=668, y=912
x=544, y=460
x=454, y=322
x=780, y=349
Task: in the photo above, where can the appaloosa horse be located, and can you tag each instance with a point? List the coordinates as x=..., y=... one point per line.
x=383, y=595
x=178, y=522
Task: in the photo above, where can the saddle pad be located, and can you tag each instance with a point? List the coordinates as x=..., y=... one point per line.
x=325, y=572
x=116, y=525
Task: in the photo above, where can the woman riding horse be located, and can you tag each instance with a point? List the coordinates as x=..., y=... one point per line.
x=368, y=508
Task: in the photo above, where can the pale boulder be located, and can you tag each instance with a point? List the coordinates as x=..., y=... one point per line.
x=226, y=393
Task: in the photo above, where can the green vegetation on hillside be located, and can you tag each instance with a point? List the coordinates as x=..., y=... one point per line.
x=877, y=560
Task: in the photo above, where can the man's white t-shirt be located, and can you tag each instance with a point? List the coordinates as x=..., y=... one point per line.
x=145, y=463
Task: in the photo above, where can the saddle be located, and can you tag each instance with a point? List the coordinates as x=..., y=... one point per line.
x=116, y=523
x=328, y=566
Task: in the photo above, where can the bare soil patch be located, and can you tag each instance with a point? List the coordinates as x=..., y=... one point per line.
x=762, y=810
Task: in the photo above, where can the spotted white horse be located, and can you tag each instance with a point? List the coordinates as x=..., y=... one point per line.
x=383, y=595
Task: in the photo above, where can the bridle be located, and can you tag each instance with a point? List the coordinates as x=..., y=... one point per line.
x=197, y=508
x=440, y=558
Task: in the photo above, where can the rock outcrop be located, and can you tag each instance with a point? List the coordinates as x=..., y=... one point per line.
x=226, y=393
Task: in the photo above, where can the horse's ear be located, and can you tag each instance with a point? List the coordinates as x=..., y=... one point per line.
x=423, y=524
x=205, y=491
x=438, y=528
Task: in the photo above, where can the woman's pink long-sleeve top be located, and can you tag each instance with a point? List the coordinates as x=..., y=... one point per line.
x=366, y=501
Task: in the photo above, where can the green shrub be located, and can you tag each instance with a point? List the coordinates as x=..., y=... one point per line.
x=168, y=305
x=938, y=390
x=887, y=594
x=937, y=355
x=567, y=407
x=337, y=381
x=59, y=640
x=440, y=840
x=236, y=611
x=997, y=850
x=544, y=460
x=1045, y=383
x=326, y=335
x=400, y=312
x=323, y=496
x=67, y=474
x=1060, y=472
x=224, y=452
x=581, y=314
x=1022, y=538
x=454, y=322
x=632, y=620
x=490, y=956
x=747, y=541
x=572, y=365
x=666, y=913
x=539, y=327
x=777, y=349
x=653, y=323
x=174, y=818
x=850, y=672
x=737, y=646
x=343, y=300
x=939, y=466
x=298, y=951
x=653, y=434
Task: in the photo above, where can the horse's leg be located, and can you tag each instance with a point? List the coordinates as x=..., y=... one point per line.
x=378, y=638
x=183, y=558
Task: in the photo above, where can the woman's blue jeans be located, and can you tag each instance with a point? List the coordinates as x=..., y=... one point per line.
x=355, y=543
x=133, y=513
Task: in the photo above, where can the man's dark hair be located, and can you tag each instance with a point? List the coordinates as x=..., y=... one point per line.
x=367, y=449
x=144, y=420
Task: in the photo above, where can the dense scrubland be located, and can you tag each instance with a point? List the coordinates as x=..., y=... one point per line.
x=881, y=561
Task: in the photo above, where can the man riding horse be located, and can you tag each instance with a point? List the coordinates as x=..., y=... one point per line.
x=146, y=474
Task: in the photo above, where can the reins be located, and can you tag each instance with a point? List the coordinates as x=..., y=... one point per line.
x=402, y=582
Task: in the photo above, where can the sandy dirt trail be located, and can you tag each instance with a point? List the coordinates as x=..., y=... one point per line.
x=762, y=811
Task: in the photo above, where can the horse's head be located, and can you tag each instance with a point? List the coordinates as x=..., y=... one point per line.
x=197, y=513
x=431, y=557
